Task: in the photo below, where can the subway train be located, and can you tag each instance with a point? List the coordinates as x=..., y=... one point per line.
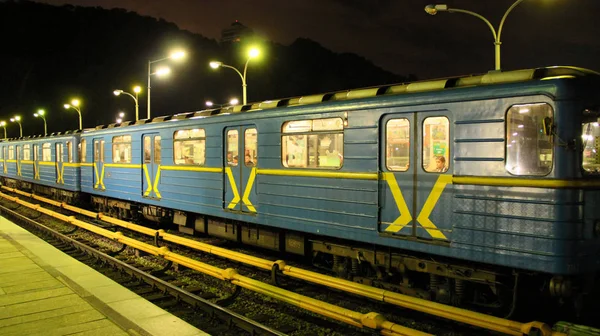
x=450, y=189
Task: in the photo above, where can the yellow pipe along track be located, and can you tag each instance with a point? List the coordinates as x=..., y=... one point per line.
x=370, y=320
x=489, y=322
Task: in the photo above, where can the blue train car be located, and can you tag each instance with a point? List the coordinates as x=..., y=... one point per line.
x=48, y=165
x=445, y=189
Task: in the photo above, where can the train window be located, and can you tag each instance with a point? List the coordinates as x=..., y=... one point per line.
x=101, y=151
x=11, y=152
x=36, y=148
x=27, y=152
x=397, y=144
x=232, y=148
x=590, y=134
x=320, y=146
x=147, y=149
x=121, y=149
x=250, y=147
x=528, y=150
x=96, y=150
x=69, y=151
x=157, y=149
x=436, y=144
x=189, y=147
x=46, y=152
x=59, y=152
x=82, y=150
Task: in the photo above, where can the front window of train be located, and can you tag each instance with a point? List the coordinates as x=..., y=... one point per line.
x=591, y=147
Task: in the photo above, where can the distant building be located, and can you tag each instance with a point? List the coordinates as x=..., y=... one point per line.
x=235, y=33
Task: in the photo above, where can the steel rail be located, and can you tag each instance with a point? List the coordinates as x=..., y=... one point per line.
x=230, y=317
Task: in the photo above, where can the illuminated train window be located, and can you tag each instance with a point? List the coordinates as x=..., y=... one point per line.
x=529, y=150
x=27, y=152
x=317, y=143
x=82, y=150
x=11, y=152
x=46, y=152
x=590, y=135
x=189, y=147
x=121, y=149
x=436, y=144
x=397, y=150
x=251, y=147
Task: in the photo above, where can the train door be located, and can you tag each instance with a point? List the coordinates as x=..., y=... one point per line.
x=397, y=187
x=36, y=169
x=415, y=188
x=4, y=159
x=18, y=161
x=151, y=154
x=98, y=163
x=240, y=154
x=58, y=158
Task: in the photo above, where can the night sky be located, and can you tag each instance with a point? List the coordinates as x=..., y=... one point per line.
x=398, y=35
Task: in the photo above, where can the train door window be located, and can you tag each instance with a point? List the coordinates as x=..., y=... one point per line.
x=251, y=146
x=147, y=144
x=27, y=152
x=11, y=152
x=590, y=134
x=82, y=150
x=397, y=144
x=69, y=151
x=102, y=151
x=121, y=149
x=59, y=152
x=436, y=144
x=2, y=154
x=157, y=149
x=529, y=150
x=18, y=153
x=232, y=148
x=317, y=143
x=35, y=152
x=189, y=147
x=46, y=152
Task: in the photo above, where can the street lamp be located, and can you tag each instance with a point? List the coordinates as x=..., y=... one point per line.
x=232, y=101
x=3, y=124
x=434, y=9
x=120, y=117
x=42, y=114
x=252, y=53
x=136, y=90
x=75, y=105
x=174, y=55
x=17, y=119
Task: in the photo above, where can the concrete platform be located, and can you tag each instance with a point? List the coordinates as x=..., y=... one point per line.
x=46, y=292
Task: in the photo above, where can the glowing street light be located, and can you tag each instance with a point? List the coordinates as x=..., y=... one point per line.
x=434, y=9
x=42, y=114
x=232, y=101
x=252, y=53
x=75, y=105
x=17, y=119
x=176, y=55
x=136, y=90
x=3, y=125
x=120, y=117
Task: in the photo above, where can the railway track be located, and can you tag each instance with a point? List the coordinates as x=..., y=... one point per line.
x=404, y=317
x=156, y=287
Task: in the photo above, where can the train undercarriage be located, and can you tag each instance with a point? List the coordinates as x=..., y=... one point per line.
x=481, y=287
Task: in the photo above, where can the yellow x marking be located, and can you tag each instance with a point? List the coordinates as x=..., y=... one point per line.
x=60, y=170
x=236, y=194
x=405, y=218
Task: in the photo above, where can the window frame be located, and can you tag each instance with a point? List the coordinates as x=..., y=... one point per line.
x=387, y=141
x=508, y=142
x=307, y=133
x=448, y=140
x=117, y=141
x=27, y=152
x=181, y=141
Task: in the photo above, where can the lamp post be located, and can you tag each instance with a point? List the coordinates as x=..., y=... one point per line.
x=174, y=55
x=251, y=54
x=42, y=114
x=136, y=90
x=434, y=9
x=75, y=105
x=3, y=124
x=17, y=119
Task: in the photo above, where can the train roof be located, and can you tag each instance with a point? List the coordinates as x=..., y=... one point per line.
x=490, y=78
